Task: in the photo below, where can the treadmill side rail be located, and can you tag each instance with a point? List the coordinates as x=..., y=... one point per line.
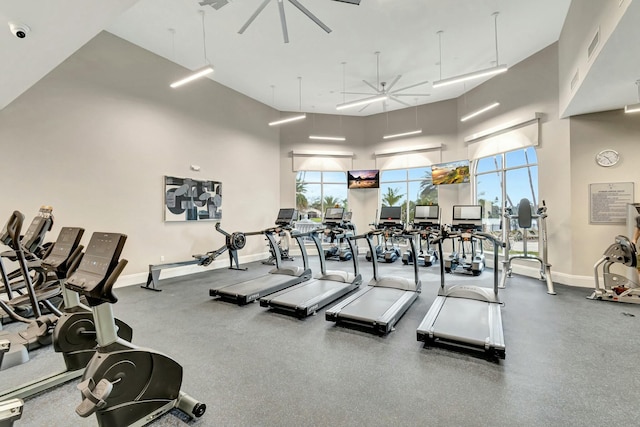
x=385, y=323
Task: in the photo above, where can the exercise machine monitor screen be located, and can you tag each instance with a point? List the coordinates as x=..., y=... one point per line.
x=101, y=255
x=390, y=213
x=286, y=216
x=334, y=214
x=427, y=212
x=467, y=217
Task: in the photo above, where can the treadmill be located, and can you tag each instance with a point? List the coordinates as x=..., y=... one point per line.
x=381, y=304
x=465, y=316
x=276, y=279
x=306, y=298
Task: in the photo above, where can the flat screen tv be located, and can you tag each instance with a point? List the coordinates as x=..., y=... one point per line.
x=450, y=173
x=369, y=178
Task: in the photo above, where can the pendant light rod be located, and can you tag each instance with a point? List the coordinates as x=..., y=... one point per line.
x=297, y=116
x=201, y=72
x=497, y=69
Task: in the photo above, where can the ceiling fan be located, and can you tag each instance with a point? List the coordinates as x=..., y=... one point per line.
x=384, y=89
x=217, y=4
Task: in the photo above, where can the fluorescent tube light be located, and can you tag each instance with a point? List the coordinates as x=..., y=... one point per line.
x=288, y=119
x=328, y=138
x=398, y=135
x=196, y=75
x=478, y=112
x=470, y=76
x=632, y=108
x=361, y=102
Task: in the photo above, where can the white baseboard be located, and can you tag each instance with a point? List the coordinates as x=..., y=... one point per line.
x=523, y=268
x=223, y=262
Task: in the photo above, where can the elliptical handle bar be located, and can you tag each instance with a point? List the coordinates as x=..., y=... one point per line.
x=107, y=289
x=76, y=258
x=497, y=242
x=14, y=228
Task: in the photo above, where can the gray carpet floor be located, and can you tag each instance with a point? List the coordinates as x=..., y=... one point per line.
x=569, y=361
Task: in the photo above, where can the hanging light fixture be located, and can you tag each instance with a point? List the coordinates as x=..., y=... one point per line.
x=479, y=111
x=407, y=133
x=497, y=69
x=634, y=108
x=296, y=117
x=201, y=72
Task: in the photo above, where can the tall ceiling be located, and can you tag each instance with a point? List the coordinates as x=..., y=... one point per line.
x=260, y=65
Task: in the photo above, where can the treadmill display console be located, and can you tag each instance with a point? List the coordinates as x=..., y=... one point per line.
x=286, y=216
x=334, y=215
x=426, y=216
x=100, y=257
x=391, y=216
x=467, y=217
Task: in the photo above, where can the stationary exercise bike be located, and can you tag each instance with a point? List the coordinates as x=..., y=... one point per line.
x=124, y=385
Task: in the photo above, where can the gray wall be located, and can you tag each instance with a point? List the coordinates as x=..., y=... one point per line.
x=95, y=137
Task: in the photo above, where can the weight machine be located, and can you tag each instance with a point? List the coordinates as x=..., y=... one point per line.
x=524, y=218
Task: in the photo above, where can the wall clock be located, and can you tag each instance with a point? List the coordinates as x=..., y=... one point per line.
x=607, y=158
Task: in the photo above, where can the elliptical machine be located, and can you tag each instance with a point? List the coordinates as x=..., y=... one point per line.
x=123, y=385
x=466, y=220
x=524, y=219
x=388, y=225
x=339, y=228
x=426, y=224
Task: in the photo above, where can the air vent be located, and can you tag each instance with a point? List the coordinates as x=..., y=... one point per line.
x=593, y=44
x=575, y=79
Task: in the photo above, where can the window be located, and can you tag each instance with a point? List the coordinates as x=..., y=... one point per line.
x=505, y=179
x=316, y=191
x=407, y=188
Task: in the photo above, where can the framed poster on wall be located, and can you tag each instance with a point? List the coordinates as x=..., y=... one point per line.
x=188, y=199
x=608, y=202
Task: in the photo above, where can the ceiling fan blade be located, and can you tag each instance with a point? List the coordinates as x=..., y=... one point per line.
x=410, y=86
x=411, y=94
x=216, y=4
x=393, y=82
x=363, y=108
x=371, y=86
x=254, y=16
x=358, y=93
x=283, y=21
x=400, y=101
x=310, y=15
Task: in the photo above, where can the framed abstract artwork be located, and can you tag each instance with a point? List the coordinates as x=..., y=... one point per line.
x=187, y=199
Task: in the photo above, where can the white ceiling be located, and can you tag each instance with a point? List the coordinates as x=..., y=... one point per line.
x=403, y=31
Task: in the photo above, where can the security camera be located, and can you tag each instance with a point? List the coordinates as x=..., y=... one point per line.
x=19, y=30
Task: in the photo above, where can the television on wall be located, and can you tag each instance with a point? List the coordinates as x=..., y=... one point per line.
x=369, y=178
x=451, y=173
